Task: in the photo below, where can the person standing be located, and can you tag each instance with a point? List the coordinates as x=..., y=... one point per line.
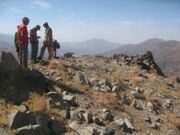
x=16, y=41
x=48, y=42
x=34, y=43
x=56, y=45
x=23, y=42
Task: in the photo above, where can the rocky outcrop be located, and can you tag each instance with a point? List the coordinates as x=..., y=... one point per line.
x=8, y=62
x=17, y=81
x=145, y=61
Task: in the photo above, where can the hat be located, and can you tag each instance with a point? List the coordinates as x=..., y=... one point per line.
x=25, y=19
x=38, y=27
x=45, y=24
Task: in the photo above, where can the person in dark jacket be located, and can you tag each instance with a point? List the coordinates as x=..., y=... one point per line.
x=34, y=43
x=16, y=41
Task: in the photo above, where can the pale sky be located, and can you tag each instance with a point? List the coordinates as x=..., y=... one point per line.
x=122, y=21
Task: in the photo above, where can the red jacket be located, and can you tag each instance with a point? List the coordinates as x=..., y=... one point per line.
x=22, y=35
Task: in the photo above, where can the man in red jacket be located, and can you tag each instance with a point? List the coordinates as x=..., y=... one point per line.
x=23, y=42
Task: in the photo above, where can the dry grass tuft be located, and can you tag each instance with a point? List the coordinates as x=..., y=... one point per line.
x=37, y=103
x=3, y=120
x=173, y=120
x=118, y=75
x=137, y=81
x=107, y=100
x=149, y=95
x=53, y=64
x=103, y=76
x=165, y=91
x=56, y=114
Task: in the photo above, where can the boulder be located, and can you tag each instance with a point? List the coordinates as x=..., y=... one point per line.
x=68, y=55
x=108, y=131
x=56, y=127
x=8, y=62
x=19, y=119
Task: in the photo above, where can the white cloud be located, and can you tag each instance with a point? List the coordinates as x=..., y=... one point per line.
x=82, y=23
x=126, y=23
x=137, y=23
x=41, y=3
x=69, y=18
x=176, y=20
x=16, y=10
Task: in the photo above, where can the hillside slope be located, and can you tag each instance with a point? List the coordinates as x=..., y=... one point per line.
x=88, y=95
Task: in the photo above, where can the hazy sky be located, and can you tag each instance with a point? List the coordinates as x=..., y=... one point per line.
x=123, y=21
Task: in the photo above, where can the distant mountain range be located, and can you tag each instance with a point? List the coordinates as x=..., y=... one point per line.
x=93, y=46
x=166, y=53
x=6, y=38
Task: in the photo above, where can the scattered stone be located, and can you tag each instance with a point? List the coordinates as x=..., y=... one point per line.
x=93, y=82
x=105, y=110
x=178, y=79
x=75, y=115
x=99, y=122
x=125, y=125
x=88, y=117
x=108, y=131
x=167, y=104
x=81, y=117
x=138, y=104
x=139, y=96
x=58, y=79
x=3, y=131
x=148, y=119
x=155, y=125
x=79, y=77
x=68, y=113
x=108, y=116
x=157, y=119
x=68, y=55
x=149, y=106
x=119, y=122
x=128, y=124
x=70, y=99
x=74, y=125
x=115, y=88
x=105, y=88
x=170, y=85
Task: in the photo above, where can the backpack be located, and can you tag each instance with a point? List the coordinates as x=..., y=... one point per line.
x=56, y=45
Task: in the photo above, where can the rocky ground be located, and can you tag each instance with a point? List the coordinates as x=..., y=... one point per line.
x=88, y=95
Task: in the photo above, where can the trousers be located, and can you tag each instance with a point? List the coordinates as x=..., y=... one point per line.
x=23, y=56
x=34, y=50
